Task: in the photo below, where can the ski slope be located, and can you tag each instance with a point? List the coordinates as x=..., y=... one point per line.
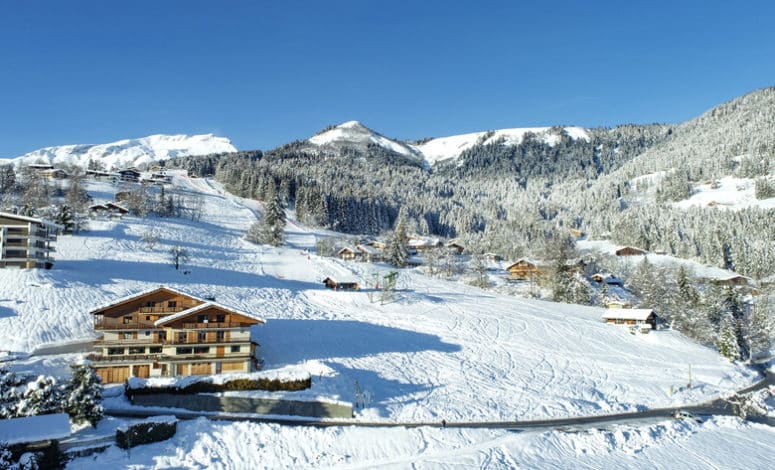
x=437, y=350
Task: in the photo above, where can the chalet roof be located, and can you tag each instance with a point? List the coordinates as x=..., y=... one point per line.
x=630, y=248
x=369, y=250
x=204, y=306
x=98, y=206
x=346, y=248
x=119, y=207
x=142, y=294
x=34, y=220
x=423, y=242
x=341, y=280
x=627, y=314
x=526, y=260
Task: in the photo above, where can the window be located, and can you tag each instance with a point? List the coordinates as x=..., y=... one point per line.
x=182, y=350
x=128, y=319
x=220, y=318
x=126, y=335
x=147, y=333
x=201, y=337
x=201, y=350
x=181, y=337
x=162, y=336
x=147, y=318
x=220, y=336
x=154, y=350
x=235, y=349
x=201, y=318
x=136, y=350
x=172, y=304
x=149, y=304
x=115, y=351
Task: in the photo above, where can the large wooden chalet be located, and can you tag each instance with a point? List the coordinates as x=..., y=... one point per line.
x=631, y=316
x=164, y=332
x=524, y=269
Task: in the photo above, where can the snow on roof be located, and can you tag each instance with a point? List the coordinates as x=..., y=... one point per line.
x=346, y=248
x=34, y=428
x=527, y=260
x=369, y=249
x=199, y=308
x=128, y=298
x=29, y=219
x=627, y=314
x=342, y=279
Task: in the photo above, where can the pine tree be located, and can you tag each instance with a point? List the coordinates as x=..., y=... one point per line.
x=41, y=396
x=759, y=328
x=64, y=217
x=83, y=394
x=397, y=254
x=9, y=396
x=727, y=339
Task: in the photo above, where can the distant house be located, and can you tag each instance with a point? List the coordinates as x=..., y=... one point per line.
x=38, y=167
x=26, y=242
x=630, y=251
x=419, y=244
x=456, y=247
x=123, y=196
x=129, y=174
x=370, y=253
x=110, y=208
x=54, y=174
x=525, y=268
x=576, y=233
x=376, y=244
x=607, y=278
x=99, y=174
x=116, y=208
x=630, y=316
x=617, y=303
x=341, y=283
x=493, y=257
x=164, y=332
x=347, y=253
x=734, y=280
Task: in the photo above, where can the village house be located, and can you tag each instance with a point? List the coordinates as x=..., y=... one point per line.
x=370, y=253
x=347, y=253
x=630, y=251
x=26, y=242
x=341, y=283
x=164, y=332
x=54, y=174
x=524, y=269
x=129, y=174
x=419, y=244
x=456, y=247
x=631, y=316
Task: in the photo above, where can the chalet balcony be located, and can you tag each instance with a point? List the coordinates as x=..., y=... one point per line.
x=112, y=325
x=15, y=244
x=162, y=309
x=124, y=357
x=197, y=326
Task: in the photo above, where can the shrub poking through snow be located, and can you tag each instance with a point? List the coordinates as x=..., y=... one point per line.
x=155, y=429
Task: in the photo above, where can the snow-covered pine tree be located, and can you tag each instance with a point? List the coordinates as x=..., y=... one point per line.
x=9, y=396
x=397, y=254
x=41, y=396
x=727, y=338
x=82, y=395
x=65, y=218
x=759, y=327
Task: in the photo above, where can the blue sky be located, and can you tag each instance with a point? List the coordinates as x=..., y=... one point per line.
x=265, y=73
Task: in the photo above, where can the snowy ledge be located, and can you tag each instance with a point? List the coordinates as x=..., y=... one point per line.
x=296, y=377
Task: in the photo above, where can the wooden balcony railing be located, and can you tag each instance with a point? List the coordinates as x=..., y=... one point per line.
x=162, y=309
x=107, y=325
x=212, y=325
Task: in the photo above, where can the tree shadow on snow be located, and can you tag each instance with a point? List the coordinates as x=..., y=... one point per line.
x=106, y=271
x=292, y=341
x=6, y=312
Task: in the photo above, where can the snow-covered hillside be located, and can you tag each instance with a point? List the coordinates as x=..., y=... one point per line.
x=439, y=350
x=355, y=134
x=130, y=152
x=444, y=148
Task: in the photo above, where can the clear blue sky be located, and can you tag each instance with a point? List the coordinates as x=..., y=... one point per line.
x=265, y=73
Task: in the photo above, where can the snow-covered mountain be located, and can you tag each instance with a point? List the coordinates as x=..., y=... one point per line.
x=354, y=134
x=130, y=152
x=444, y=148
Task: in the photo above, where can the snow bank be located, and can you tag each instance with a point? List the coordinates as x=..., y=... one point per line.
x=34, y=428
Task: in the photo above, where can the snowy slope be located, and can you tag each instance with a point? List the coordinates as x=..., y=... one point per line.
x=131, y=152
x=727, y=193
x=444, y=148
x=439, y=350
x=356, y=135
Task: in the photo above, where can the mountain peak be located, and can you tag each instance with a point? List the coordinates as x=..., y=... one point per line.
x=131, y=152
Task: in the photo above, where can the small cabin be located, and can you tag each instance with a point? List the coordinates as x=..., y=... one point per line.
x=370, y=253
x=630, y=316
x=419, y=244
x=341, y=283
x=576, y=233
x=456, y=247
x=494, y=257
x=116, y=208
x=630, y=251
x=524, y=269
x=347, y=253
x=733, y=281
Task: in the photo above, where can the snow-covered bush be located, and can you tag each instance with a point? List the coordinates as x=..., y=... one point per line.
x=156, y=429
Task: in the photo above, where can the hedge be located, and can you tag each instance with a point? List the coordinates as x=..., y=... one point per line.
x=272, y=385
x=146, y=432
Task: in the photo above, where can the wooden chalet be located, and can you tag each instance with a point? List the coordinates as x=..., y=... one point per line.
x=117, y=208
x=164, y=332
x=456, y=247
x=524, y=269
x=341, y=283
x=129, y=174
x=419, y=244
x=348, y=253
x=370, y=253
x=630, y=251
x=630, y=316
x=734, y=280
x=54, y=174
